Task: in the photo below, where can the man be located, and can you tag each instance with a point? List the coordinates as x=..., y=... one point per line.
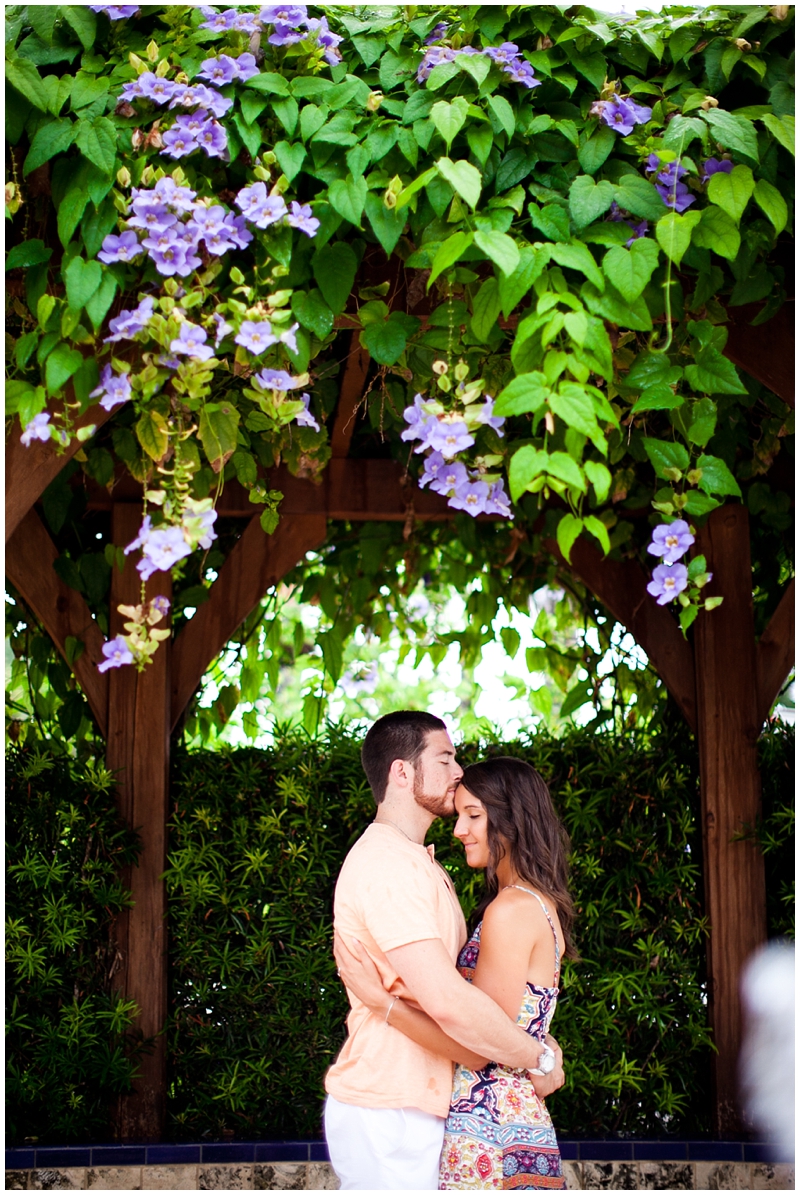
x=387, y=1096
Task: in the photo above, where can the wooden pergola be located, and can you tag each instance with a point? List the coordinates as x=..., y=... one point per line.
x=724, y=683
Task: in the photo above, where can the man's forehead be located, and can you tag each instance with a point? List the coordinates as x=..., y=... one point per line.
x=439, y=742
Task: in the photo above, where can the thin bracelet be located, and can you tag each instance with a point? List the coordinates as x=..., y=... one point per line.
x=389, y=1009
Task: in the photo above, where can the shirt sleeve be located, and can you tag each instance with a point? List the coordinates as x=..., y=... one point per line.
x=400, y=904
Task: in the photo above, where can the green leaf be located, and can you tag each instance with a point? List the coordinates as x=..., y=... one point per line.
x=450, y=118
x=577, y=256
x=386, y=223
x=599, y=531
x=698, y=505
x=732, y=191
x=579, y=694
x=650, y=367
x=219, y=423
x=28, y=253
x=98, y=143
x=61, y=364
x=588, y=199
x=514, y=288
x=636, y=195
x=83, y=21
x=347, y=197
x=666, y=454
x=772, y=204
x=290, y=157
x=463, y=178
x=503, y=114
x=712, y=373
x=53, y=138
x=82, y=279
x=572, y=404
x=448, y=254
x=527, y=393
x=100, y=302
x=674, y=233
x=657, y=397
x=527, y=464
x=682, y=130
x=422, y=181
x=70, y=210
x=552, y=220
x=486, y=309
x=781, y=127
x=565, y=468
x=270, y=82
x=687, y=616
x=334, y=268
x=594, y=152
x=600, y=478
x=568, y=530
x=703, y=422
x=630, y=270
x=734, y=132
x=312, y=312
x=332, y=653
x=716, y=477
x=475, y=65
x=24, y=78
x=43, y=18
x=717, y=231
x=501, y=249
x=153, y=434
x=385, y=341
x=611, y=306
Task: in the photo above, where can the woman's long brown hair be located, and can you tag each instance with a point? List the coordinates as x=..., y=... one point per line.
x=523, y=824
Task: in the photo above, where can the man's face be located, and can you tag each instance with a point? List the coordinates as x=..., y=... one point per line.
x=436, y=775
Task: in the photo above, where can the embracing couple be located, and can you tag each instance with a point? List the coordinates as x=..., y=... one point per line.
x=397, y=1117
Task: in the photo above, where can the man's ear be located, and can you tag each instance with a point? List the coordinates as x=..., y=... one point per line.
x=401, y=773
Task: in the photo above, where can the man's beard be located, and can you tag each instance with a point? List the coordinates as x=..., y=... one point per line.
x=439, y=806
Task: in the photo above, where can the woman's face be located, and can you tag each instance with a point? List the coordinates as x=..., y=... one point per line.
x=472, y=827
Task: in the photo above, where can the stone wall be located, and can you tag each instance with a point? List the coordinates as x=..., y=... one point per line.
x=318, y=1176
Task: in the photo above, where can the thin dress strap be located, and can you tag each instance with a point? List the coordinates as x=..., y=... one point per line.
x=550, y=920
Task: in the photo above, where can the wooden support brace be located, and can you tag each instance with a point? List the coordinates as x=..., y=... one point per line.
x=354, y=380
x=775, y=654
x=621, y=587
x=30, y=554
x=257, y=562
x=766, y=352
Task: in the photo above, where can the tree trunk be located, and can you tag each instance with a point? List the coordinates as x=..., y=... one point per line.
x=138, y=750
x=730, y=786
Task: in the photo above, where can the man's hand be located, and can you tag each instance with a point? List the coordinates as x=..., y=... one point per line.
x=545, y=1085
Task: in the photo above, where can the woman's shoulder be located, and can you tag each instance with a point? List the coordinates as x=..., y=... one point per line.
x=515, y=908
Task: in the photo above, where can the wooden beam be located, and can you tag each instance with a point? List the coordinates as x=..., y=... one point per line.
x=138, y=751
x=257, y=562
x=621, y=587
x=766, y=352
x=775, y=654
x=730, y=790
x=29, y=471
x=354, y=379
x=30, y=555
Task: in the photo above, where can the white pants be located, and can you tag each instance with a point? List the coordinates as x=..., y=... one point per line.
x=383, y=1149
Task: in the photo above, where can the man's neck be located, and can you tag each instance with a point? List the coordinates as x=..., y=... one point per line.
x=411, y=820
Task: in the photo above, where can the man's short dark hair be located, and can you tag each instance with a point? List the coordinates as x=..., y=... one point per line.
x=400, y=735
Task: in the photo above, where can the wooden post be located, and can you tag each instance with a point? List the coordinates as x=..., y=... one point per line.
x=730, y=787
x=138, y=751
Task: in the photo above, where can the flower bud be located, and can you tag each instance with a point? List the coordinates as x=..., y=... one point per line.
x=544, y=43
x=375, y=100
x=461, y=371
x=162, y=70
x=444, y=383
x=709, y=102
x=124, y=175
x=549, y=422
x=268, y=159
x=694, y=476
x=152, y=52
x=137, y=139
x=779, y=11
x=148, y=176
x=389, y=200
x=261, y=174
x=439, y=367
x=743, y=44
x=137, y=64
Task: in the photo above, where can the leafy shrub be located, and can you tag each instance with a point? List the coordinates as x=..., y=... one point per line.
x=70, y=1046
x=776, y=758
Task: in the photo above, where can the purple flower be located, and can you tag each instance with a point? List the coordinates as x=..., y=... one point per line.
x=434, y=463
x=117, y=12
x=487, y=416
x=117, y=653
x=255, y=336
x=671, y=540
x=115, y=388
x=169, y=256
x=289, y=337
x=275, y=379
x=416, y=418
x=161, y=550
x=128, y=323
x=450, y=438
x=498, y=502
x=198, y=93
x=124, y=247
x=450, y=477
x=470, y=496
x=435, y=56
x=160, y=605
x=676, y=195
x=151, y=215
x=623, y=115
x=142, y=537
x=305, y=418
x=168, y=362
x=206, y=220
x=437, y=33
x=132, y=90
x=291, y=15
x=221, y=329
x=638, y=230
x=178, y=143
x=237, y=231
x=522, y=72
x=283, y=35
x=716, y=166
x=245, y=67
x=653, y=163
x=359, y=678
x=259, y=208
x=327, y=40
x=504, y=54
x=192, y=342
x=219, y=22
x=199, y=528
x=300, y=217
x=213, y=140
x=179, y=199
x=246, y=22
x=219, y=71
x=156, y=89
x=668, y=581
x=37, y=429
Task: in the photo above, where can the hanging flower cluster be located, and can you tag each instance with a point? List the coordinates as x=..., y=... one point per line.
x=117, y=12
x=622, y=114
x=507, y=56
x=672, y=578
x=445, y=434
x=290, y=24
x=141, y=642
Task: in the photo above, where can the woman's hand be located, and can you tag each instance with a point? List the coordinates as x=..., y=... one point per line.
x=545, y=1085
x=360, y=975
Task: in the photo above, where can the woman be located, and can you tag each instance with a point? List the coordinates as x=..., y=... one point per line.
x=499, y=1134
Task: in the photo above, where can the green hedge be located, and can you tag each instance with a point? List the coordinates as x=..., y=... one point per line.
x=256, y=840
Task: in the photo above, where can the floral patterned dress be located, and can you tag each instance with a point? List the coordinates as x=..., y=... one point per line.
x=499, y=1135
